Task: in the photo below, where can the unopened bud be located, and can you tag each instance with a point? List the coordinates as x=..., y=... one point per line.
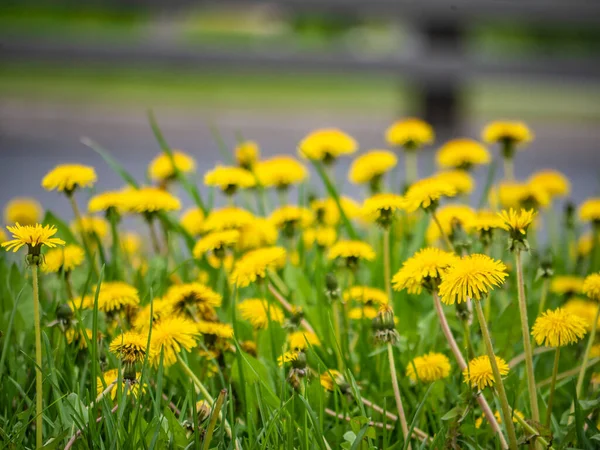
x=332, y=287
x=64, y=313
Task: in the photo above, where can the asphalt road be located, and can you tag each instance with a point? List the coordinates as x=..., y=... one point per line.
x=36, y=136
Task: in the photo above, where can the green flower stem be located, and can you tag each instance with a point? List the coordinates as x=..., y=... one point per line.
x=39, y=388
x=195, y=379
x=288, y=307
x=396, y=388
x=387, y=274
x=78, y=220
x=586, y=355
x=552, y=387
x=411, y=166
x=487, y=307
x=535, y=412
x=543, y=296
x=213, y=419
x=114, y=262
x=462, y=364
x=335, y=311
x=153, y=236
x=447, y=242
x=506, y=412
x=509, y=169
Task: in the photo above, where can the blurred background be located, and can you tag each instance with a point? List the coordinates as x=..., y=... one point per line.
x=271, y=71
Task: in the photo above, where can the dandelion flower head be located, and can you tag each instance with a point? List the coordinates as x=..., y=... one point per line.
x=163, y=166
x=424, y=269
x=229, y=178
x=68, y=177
x=558, y=328
x=462, y=153
x=371, y=165
x=246, y=154
x=426, y=193
x=169, y=337
x=449, y=216
x=348, y=249
x=410, y=133
x=566, y=285
x=192, y=221
x=227, y=218
x=260, y=312
x=501, y=131
x=479, y=374
x=326, y=145
x=130, y=346
x=461, y=180
x=589, y=211
x=472, y=276
x=253, y=266
x=34, y=236
x=300, y=340
x=367, y=295
x=591, y=286
x=552, y=181
x=280, y=172
x=26, y=211
x=428, y=368
x=63, y=259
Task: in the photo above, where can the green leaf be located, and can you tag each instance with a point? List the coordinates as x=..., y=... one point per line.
x=112, y=162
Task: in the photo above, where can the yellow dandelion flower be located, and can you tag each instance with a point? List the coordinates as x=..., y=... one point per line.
x=326, y=210
x=410, y=133
x=566, y=285
x=300, y=340
x=558, y=328
x=280, y=172
x=552, y=181
x=105, y=201
x=332, y=378
x=112, y=376
x=253, y=265
x=91, y=225
x=230, y=217
x=589, y=211
x=512, y=194
x=585, y=244
x=217, y=263
x=471, y=276
x=449, y=217
x=216, y=241
x=3, y=236
x=34, y=236
x=426, y=193
x=113, y=296
x=591, y=286
x=221, y=330
x=258, y=233
x=516, y=412
x=517, y=222
x=322, y=236
x=160, y=309
x=367, y=295
x=364, y=312
x=479, y=374
x=63, y=259
x=163, y=166
x=381, y=208
x=351, y=251
x=182, y=297
x=424, y=269
x=192, y=221
x=68, y=177
x=584, y=309
x=484, y=220
x=78, y=337
x=246, y=154
x=131, y=242
x=169, y=337
x=291, y=215
x=260, y=312
x=26, y=211
x=229, y=179
x=326, y=145
x=149, y=200
x=371, y=166
x=429, y=368
x=462, y=153
x=287, y=357
x=461, y=180
x=130, y=346
x=249, y=347
x=513, y=131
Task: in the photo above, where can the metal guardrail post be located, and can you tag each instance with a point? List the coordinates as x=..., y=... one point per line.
x=439, y=98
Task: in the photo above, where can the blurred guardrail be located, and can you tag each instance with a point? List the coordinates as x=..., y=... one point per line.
x=438, y=65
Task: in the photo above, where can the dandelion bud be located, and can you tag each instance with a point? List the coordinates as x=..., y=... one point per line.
x=129, y=373
x=384, y=326
x=331, y=286
x=64, y=313
x=202, y=411
x=464, y=312
x=546, y=269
